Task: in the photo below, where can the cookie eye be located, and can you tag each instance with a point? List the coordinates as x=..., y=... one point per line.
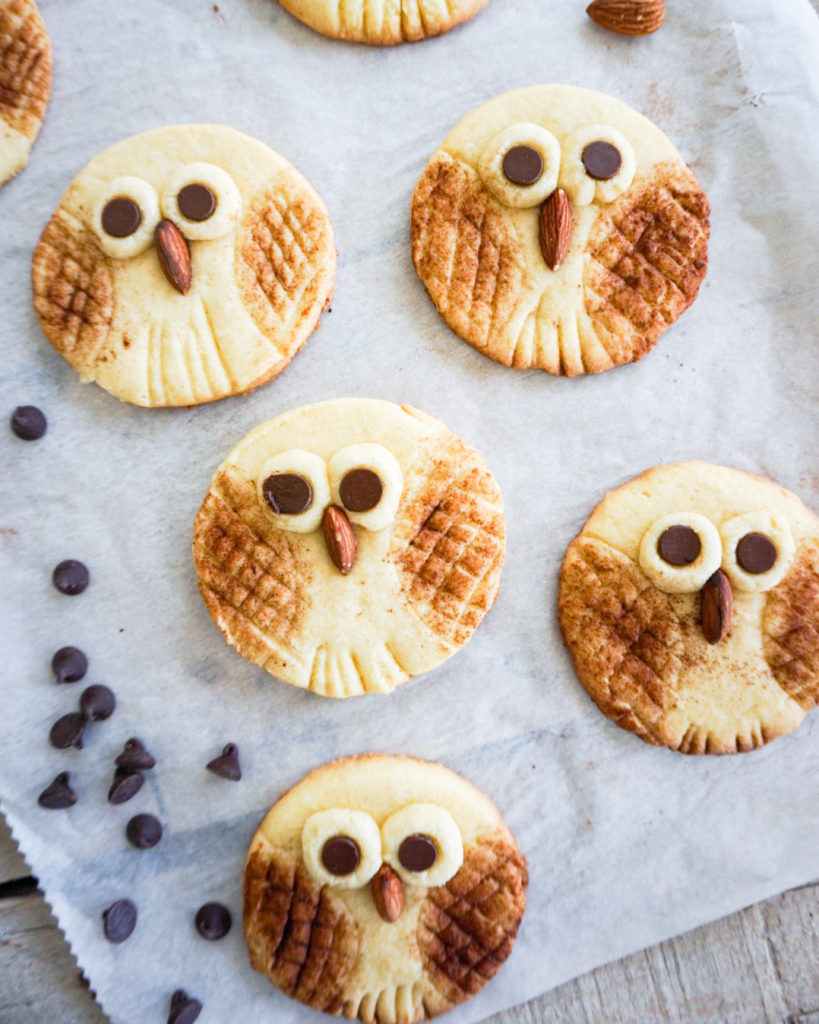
x=680, y=551
x=202, y=200
x=366, y=480
x=757, y=550
x=598, y=163
x=125, y=217
x=341, y=847
x=294, y=491
x=521, y=164
x=423, y=844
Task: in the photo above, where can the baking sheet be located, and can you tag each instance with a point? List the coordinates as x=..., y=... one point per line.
x=627, y=844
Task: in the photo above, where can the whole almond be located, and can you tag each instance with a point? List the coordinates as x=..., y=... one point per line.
x=339, y=538
x=716, y=607
x=555, y=228
x=388, y=893
x=628, y=17
x=174, y=255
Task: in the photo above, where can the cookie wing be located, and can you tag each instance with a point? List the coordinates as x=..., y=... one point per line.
x=790, y=627
x=25, y=81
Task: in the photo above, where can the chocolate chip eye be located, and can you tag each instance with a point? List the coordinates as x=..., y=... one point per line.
x=523, y=165
x=196, y=202
x=340, y=855
x=756, y=553
x=121, y=217
x=602, y=160
x=417, y=853
x=360, y=489
x=288, y=493
x=679, y=545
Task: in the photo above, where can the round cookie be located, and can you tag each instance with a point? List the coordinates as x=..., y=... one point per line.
x=427, y=550
x=25, y=82
x=185, y=264
x=558, y=229
x=383, y=888
x=382, y=22
x=690, y=605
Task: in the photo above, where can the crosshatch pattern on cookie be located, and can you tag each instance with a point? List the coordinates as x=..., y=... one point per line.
x=25, y=66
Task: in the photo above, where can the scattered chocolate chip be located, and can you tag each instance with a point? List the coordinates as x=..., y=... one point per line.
x=602, y=160
x=340, y=855
x=69, y=665
x=143, y=831
x=119, y=920
x=58, y=794
x=97, y=703
x=226, y=766
x=417, y=853
x=135, y=756
x=127, y=783
x=288, y=493
x=360, y=490
x=213, y=921
x=28, y=423
x=196, y=202
x=679, y=545
x=71, y=577
x=523, y=165
x=121, y=217
x=67, y=731
x=184, y=1010
x=756, y=553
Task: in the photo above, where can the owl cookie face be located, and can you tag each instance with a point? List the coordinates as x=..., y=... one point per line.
x=558, y=229
x=25, y=82
x=349, y=545
x=383, y=888
x=184, y=265
x=690, y=605
x=382, y=22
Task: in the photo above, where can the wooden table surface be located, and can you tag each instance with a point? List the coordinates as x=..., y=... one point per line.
x=758, y=966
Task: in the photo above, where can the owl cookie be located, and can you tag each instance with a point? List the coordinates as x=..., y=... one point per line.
x=383, y=888
x=558, y=229
x=349, y=545
x=690, y=605
x=184, y=265
x=25, y=82
x=382, y=22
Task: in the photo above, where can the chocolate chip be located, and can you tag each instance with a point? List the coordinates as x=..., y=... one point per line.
x=360, y=490
x=28, y=423
x=121, y=217
x=69, y=665
x=196, y=202
x=143, y=831
x=679, y=545
x=602, y=160
x=127, y=783
x=97, y=703
x=184, y=1009
x=340, y=855
x=288, y=493
x=67, y=732
x=58, y=794
x=227, y=764
x=523, y=165
x=71, y=577
x=756, y=553
x=119, y=920
x=417, y=853
x=213, y=921
x=134, y=755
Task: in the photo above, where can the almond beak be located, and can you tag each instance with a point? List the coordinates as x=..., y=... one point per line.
x=174, y=255
x=388, y=893
x=716, y=607
x=339, y=538
x=555, y=228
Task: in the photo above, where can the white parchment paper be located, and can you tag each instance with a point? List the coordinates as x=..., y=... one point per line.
x=627, y=844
